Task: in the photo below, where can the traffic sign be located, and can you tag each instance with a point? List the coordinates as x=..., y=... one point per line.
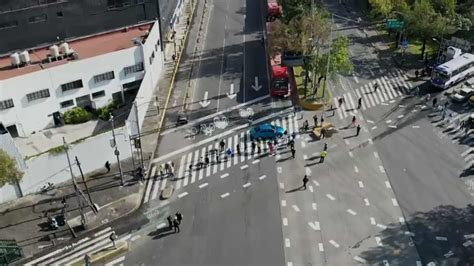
x=395, y=24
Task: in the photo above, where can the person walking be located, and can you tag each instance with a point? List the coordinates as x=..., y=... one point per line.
x=170, y=222
x=466, y=131
x=417, y=73
x=107, y=166
x=353, y=121
x=179, y=217
x=259, y=147
x=322, y=120
x=376, y=86
x=305, y=181
x=359, y=103
x=253, y=147
x=176, y=225
x=293, y=151
x=305, y=125
x=113, y=238
x=238, y=148
x=222, y=145
x=322, y=156
x=206, y=160
x=325, y=147
x=357, y=130
x=190, y=169
x=428, y=97
x=435, y=100
x=315, y=119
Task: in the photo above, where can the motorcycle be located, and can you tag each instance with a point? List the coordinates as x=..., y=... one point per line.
x=47, y=187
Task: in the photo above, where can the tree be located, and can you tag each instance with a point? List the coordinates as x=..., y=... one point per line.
x=294, y=9
x=381, y=7
x=9, y=174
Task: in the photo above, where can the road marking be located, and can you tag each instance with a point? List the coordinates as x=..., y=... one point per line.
x=289, y=263
x=469, y=236
x=359, y=259
x=374, y=127
x=296, y=208
x=355, y=78
x=400, y=116
x=247, y=185
x=315, y=226
x=203, y=185
x=467, y=243
x=182, y=194
x=279, y=169
x=351, y=155
x=305, y=157
x=378, y=241
x=116, y=261
x=387, y=184
x=303, y=144
x=346, y=141
x=449, y=254
x=401, y=106
x=316, y=183
x=370, y=141
x=311, y=189
x=418, y=263
x=388, y=121
x=262, y=177
x=307, y=170
x=330, y=197
x=414, y=111
x=385, y=104
x=372, y=221
x=382, y=170
x=225, y=175
x=394, y=202
x=334, y=243
x=385, y=263
x=441, y=238
x=370, y=121
x=315, y=206
x=282, y=186
x=135, y=237
x=392, y=126
x=225, y=195
x=351, y=212
x=256, y=161
x=162, y=225
x=321, y=247
x=401, y=220
x=408, y=233
x=356, y=169
x=244, y=166
x=285, y=221
x=361, y=185
x=283, y=203
x=287, y=242
x=367, y=203
x=382, y=226
x=376, y=155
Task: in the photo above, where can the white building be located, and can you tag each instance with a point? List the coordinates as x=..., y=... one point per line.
x=37, y=85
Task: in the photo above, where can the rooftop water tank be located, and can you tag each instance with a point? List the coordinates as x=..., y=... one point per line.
x=15, y=59
x=65, y=49
x=25, y=57
x=54, y=51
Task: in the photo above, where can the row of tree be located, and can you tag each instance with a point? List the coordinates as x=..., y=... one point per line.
x=9, y=173
x=425, y=19
x=306, y=30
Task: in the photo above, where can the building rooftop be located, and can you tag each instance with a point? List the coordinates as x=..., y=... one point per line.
x=85, y=47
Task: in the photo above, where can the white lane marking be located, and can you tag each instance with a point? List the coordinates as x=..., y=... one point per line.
x=401, y=220
x=283, y=203
x=373, y=128
x=247, y=185
x=361, y=185
x=388, y=121
x=441, y=238
x=225, y=195
x=330, y=197
x=382, y=226
x=282, y=186
x=387, y=184
x=321, y=247
x=371, y=141
x=315, y=226
x=182, y=194
x=334, y=243
x=289, y=263
x=400, y=116
x=346, y=141
x=287, y=242
x=414, y=111
x=370, y=121
x=469, y=236
x=262, y=177
x=467, y=243
x=225, y=175
x=351, y=155
x=303, y=144
x=256, y=161
x=351, y=212
x=359, y=259
x=307, y=170
x=372, y=221
x=316, y=183
x=315, y=206
x=449, y=254
x=135, y=237
x=408, y=233
x=376, y=154
x=117, y=261
x=162, y=225
x=392, y=126
x=356, y=169
x=244, y=166
x=102, y=232
x=367, y=203
x=305, y=157
x=419, y=263
x=203, y=185
x=401, y=106
x=394, y=202
x=296, y=208
x=385, y=104
x=382, y=170
x=279, y=169
x=311, y=189
x=378, y=241
x=285, y=221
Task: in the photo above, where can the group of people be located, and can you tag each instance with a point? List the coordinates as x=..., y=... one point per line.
x=174, y=222
x=167, y=169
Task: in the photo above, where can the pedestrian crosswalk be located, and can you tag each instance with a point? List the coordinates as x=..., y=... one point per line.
x=75, y=253
x=186, y=176
x=389, y=87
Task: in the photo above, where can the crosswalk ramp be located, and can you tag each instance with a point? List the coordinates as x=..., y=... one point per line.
x=393, y=85
x=76, y=252
x=186, y=176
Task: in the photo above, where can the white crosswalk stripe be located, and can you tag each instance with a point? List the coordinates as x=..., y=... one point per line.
x=181, y=172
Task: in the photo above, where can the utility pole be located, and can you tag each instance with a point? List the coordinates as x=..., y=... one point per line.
x=139, y=134
x=79, y=202
x=116, y=152
x=92, y=205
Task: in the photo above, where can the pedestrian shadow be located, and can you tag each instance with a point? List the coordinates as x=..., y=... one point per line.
x=350, y=110
x=284, y=159
x=313, y=158
x=312, y=164
x=350, y=137
x=346, y=127
x=370, y=92
x=160, y=233
x=467, y=172
x=294, y=190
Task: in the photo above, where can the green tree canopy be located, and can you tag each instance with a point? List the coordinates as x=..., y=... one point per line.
x=9, y=174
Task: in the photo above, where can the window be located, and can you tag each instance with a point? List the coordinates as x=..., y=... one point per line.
x=39, y=18
x=8, y=24
x=104, y=76
x=72, y=85
x=118, y=3
x=98, y=94
x=6, y=104
x=37, y=95
x=67, y=103
x=132, y=69
x=152, y=56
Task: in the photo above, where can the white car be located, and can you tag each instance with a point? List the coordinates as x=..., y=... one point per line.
x=462, y=95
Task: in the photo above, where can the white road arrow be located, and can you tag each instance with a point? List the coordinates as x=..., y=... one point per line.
x=256, y=87
x=231, y=94
x=204, y=103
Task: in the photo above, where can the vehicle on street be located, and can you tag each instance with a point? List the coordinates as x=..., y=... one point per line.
x=453, y=71
x=279, y=75
x=266, y=131
x=462, y=95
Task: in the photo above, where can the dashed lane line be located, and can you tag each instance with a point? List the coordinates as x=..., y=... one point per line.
x=183, y=194
x=334, y=243
x=351, y=212
x=367, y=203
x=285, y=221
x=382, y=226
x=321, y=247
x=387, y=184
x=225, y=195
x=256, y=161
x=203, y=185
x=262, y=177
x=359, y=259
x=394, y=202
x=225, y=175
x=378, y=241
x=314, y=225
x=330, y=197
x=372, y=221
x=441, y=238
x=296, y=208
x=361, y=185
x=287, y=242
x=315, y=206
x=248, y=184
x=283, y=203
x=382, y=170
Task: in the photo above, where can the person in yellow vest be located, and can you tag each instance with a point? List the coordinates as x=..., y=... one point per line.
x=322, y=156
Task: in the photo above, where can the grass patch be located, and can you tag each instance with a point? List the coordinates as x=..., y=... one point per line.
x=319, y=97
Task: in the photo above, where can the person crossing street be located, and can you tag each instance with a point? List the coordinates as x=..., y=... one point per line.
x=359, y=103
x=376, y=86
x=315, y=119
x=322, y=156
x=305, y=181
x=293, y=151
x=357, y=130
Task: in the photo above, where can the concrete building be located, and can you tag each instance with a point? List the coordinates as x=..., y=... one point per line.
x=37, y=86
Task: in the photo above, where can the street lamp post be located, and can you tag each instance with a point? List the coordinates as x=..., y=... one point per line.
x=116, y=151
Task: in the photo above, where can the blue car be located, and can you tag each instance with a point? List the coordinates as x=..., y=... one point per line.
x=266, y=131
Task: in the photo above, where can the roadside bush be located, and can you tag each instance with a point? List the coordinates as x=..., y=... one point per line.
x=104, y=112
x=77, y=115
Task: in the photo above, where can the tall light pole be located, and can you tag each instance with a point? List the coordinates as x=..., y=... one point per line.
x=116, y=151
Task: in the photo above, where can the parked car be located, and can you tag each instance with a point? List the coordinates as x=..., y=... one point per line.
x=462, y=95
x=266, y=131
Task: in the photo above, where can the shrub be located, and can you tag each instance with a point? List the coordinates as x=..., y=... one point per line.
x=76, y=115
x=104, y=112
